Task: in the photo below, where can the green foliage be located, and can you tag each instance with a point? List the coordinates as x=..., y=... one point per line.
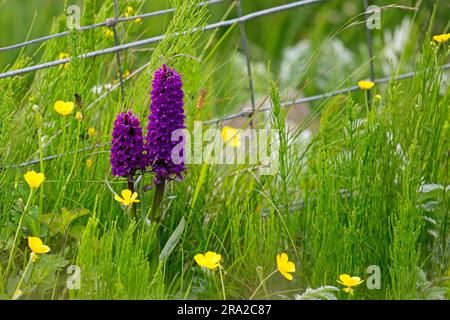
x=321, y=293
x=369, y=185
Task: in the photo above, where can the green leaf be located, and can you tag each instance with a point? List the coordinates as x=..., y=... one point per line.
x=173, y=240
x=321, y=293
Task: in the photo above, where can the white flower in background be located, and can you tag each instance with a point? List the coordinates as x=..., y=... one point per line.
x=294, y=61
x=394, y=45
x=100, y=88
x=425, y=188
x=330, y=74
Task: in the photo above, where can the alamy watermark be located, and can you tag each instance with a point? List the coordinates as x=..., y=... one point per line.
x=373, y=282
x=73, y=281
x=73, y=17
x=227, y=146
x=373, y=20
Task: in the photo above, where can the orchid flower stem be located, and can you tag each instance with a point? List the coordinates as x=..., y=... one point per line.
x=131, y=188
x=261, y=283
x=16, y=236
x=159, y=195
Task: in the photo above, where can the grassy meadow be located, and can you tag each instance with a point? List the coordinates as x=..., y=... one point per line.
x=360, y=187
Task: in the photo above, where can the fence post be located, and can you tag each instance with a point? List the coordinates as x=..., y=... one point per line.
x=116, y=43
x=370, y=50
x=247, y=58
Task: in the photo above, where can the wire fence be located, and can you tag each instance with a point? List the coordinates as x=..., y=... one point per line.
x=240, y=20
x=213, y=26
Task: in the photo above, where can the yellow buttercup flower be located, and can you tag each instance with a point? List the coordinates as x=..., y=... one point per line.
x=365, y=85
x=209, y=260
x=64, y=108
x=231, y=136
x=108, y=32
x=89, y=163
x=441, y=38
x=37, y=246
x=138, y=20
x=92, y=132
x=128, y=197
x=79, y=116
x=349, y=282
x=17, y=294
x=285, y=267
x=61, y=56
x=126, y=73
x=129, y=12
x=34, y=179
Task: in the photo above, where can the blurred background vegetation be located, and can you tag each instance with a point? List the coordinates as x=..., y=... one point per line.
x=307, y=50
x=268, y=36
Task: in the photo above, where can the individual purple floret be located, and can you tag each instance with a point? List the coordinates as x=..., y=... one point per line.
x=127, y=145
x=167, y=115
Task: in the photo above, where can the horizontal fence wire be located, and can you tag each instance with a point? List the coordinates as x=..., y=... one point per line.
x=106, y=23
x=285, y=104
x=320, y=96
x=155, y=39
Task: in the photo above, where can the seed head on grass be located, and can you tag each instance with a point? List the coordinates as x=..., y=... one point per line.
x=127, y=145
x=167, y=115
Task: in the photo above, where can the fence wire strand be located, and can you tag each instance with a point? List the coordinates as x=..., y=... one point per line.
x=99, y=25
x=213, y=26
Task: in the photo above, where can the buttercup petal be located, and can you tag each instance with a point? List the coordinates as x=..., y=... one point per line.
x=290, y=267
x=200, y=259
x=43, y=249
x=344, y=278
x=287, y=275
x=126, y=194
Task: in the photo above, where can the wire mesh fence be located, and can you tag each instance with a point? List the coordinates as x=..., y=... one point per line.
x=241, y=19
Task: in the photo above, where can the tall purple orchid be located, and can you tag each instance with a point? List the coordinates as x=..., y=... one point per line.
x=167, y=115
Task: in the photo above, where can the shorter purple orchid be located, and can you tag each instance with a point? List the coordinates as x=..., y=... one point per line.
x=127, y=146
